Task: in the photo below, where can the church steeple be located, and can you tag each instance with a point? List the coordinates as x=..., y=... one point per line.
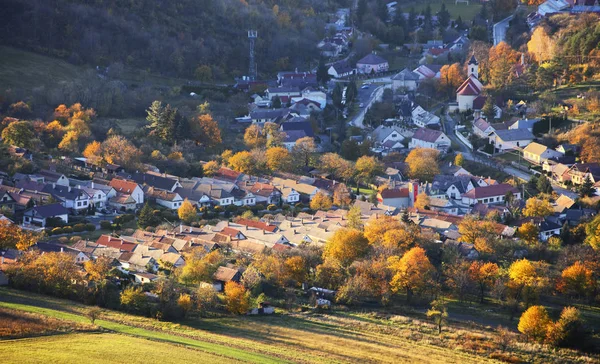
x=473, y=66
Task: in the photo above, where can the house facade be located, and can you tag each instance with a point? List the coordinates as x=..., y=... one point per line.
x=372, y=63
x=505, y=140
x=429, y=138
x=39, y=215
x=538, y=153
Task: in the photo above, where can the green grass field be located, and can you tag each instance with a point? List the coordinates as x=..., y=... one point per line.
x=466, y=12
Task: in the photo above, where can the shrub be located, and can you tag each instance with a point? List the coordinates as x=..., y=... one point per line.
x=67, y=230
x=78, y=228
x=90, y=227
x=271, y=207
x=57, y=231
x=128, y=217
x=105, y=225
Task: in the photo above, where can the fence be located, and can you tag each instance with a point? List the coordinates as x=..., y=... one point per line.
x=463, y=139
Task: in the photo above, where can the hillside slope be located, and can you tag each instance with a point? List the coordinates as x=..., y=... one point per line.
x=171, y=37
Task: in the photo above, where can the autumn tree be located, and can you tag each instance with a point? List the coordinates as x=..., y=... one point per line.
x=70, y=142
x=243, y=162
x=118, y=150
x=484, y=275
x=210, y=168
x=377, y=226
x=321, y=201
x=438, y=313
x=279, y=159
x=577, y=280
x=524, y=280
x=502, y=58
x=206, y=298
x=303, y=151
x=423, y=164
x=471, y=228
x=541, y=46
x=529, y=233
x=206, y=131
x=412, y=273
x=592, y=231
x=237, y=299
x=93, y=152
x=451, y=76
x=20, y=134
x=422, y=202
x=134, y=300
x=568, y=331
x=342, y=195
x=187, y=212
x=199, y=267
x=346, y=245
x=337, y=166
x=354, y=218
x=536, y=207
x=367, y=168
x=459, y=160
x=534, y=323
x=98, y=269
x=253, y=137
x=184, y=302
x=12, y=236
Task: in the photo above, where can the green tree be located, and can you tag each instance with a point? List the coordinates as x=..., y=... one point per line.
x=488, y=109
x=438, y=313
x=544, y=185
x=276, y=102
x=587, y=187
x=443, y=17
x=19, y=133
x=134, y=300
x=146, y=217
x=322, y=74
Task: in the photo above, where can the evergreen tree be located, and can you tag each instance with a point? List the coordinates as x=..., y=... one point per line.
x=146, y=217
x=488, y=109
x=276, y=102
x=412, y=19
x=361, y=11
x=322, y=75
x=543, y=184
x=382, y=10
x=337, y=96
x=459, y=23
x=587, y=188
x=444, y=17
x=405, y=217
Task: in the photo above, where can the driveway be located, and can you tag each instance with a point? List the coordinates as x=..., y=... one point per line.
x=500, y=28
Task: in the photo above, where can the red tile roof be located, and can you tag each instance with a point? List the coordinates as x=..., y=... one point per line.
x=106, y=240
x=231, y=232
x=123, y=186
x=394, y=193
x=227, y=174
x=257, y=224
x=428, y=135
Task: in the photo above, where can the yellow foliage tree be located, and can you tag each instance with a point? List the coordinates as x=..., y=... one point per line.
x=422, y=202
x=184, y=302
x=70, y=142
x=346, y=245
x=471, y=228
x=502, y=58
x=484, y=275
x=534, y=323
x=411, y=273
x=242, y=162
x=321, y=202
x=12, y=236
x=577, y=280
x=377, y=226
x=278, y=159
x=93, y=152
x=459, y=160
x=529, y=233
x=187, y=212
x=535, y=207
x=253, y=137
x=541, y=46
x=423, y=164
x=210, y=168
x=237, y=299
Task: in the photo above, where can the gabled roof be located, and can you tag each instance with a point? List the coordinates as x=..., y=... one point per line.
x=107, y=240
x=535, y=148
x=481, y=124
x=406, y=75
x=225, y=274
x=490, y=191
x=51, y=210
x=150, y=179
x=371, y=59
x=257, y=224
x=473, y=60
x=394, y=193
x=514, y=134
x=428, y=135
x=123, y=186
x=304, y=126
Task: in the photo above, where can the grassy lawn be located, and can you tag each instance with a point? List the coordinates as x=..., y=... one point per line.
x=100, y=348
x=308, y=338
x=466, y=12
x=511, y=157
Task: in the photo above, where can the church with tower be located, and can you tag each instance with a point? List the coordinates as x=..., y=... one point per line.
x=469, y=94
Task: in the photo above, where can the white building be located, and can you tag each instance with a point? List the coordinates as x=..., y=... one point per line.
x=471, y=88
x=406, y=79
x=372, y=63
x=538, y=153
x=505, y=140
x=429, y=138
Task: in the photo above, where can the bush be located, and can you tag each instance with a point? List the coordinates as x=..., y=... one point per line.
x=57, y=231
x=90, y=227
x=127, y=217
x=271, y=207
x=67, y=230
x=78, y=228
x=105, y=225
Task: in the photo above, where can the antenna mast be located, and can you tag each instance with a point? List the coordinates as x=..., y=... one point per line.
x=252, y=35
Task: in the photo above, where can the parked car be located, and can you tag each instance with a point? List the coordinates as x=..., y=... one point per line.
x=361, y=105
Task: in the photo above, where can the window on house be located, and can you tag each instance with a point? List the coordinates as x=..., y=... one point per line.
x=78, y=203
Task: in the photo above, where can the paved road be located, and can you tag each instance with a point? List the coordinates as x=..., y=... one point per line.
x=367, y=97
x=500, y=29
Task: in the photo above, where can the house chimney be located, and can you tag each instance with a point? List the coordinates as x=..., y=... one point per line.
x=181, y=228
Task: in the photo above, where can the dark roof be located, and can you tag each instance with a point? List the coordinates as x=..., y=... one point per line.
x=406, y=75
x=160, y=182
x=51, y=210
x=268, y=113
x=51, y=247
x=67, y=193
x=225, y=274
x=298, y=125
x=514, y=134
x=291, y=136
x=473, y=60
x=371, y=59
x=342, y=67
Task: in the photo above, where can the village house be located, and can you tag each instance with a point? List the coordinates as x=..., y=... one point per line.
x=52, y=177
x=284, y=94
x=264, y=193
x=144, y=277
x=579, y=172
x=71, y=198
x=482, y=128
x=390, y=137
x=423, y=118
x=523, y=124
x=395, y=197
x=493, y=194
x=261, y=116
x=428, y=71
x=124, y=191
x=341, y=69
x=429, y=138
x=538, y=153
x=224, y=275
x=405, y=80
x=55, y=247
x=505, y=140
x=39, y=215
x=372, y=63
x=151, y=179
x=170, y=200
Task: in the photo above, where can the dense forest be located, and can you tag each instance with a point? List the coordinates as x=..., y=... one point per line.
x=171, y=37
